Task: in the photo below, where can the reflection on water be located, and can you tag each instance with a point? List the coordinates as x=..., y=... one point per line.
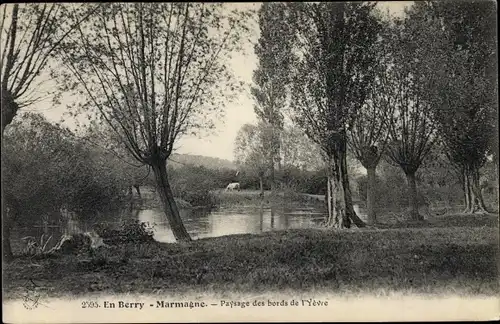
x=199, y=223
x=202, y=223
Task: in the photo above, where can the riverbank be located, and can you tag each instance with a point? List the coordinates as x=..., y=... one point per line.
x=222, y=198
x=252, y=198
x=462, y=259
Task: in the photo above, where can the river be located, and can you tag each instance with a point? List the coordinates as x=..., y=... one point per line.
x=200, y=223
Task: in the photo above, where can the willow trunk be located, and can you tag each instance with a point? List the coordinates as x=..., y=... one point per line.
x=345, y=190
x=6, y=226
x=412, y=197
x=168, y=201
x=6, y=218
x=478, y=202
x=370, y=196
x=261, y=183
x=467, y=192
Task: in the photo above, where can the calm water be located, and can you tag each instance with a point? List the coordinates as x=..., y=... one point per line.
x=199, y=223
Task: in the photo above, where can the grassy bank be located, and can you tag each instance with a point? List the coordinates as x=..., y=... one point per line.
x=461, y=258
x=242, y=198
x=252, y=198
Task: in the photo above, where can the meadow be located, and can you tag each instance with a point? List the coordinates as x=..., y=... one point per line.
x=456, y=254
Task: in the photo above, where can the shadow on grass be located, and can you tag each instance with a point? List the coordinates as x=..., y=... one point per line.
x=406, y=259
x=445, y=221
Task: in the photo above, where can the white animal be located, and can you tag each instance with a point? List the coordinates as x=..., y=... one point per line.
x=233, y=186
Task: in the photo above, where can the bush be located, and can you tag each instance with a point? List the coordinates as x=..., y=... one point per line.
x=46, y=166
x=78, y=243
x=202, y=197
x=128, y=232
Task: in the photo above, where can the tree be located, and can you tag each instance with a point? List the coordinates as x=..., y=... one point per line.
x=155, y=72
x=368, y=132
x=466, y=89
x=103, y=138
x=416, y=49
x=250, y=151
x=331, y=80
x=29, y=33
x=299, y=155
x=270, y=78
x=298, y=151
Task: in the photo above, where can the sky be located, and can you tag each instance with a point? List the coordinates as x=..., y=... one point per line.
x=221, y=142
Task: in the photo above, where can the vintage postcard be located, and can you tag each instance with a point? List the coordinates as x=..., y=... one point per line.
x=255, y=162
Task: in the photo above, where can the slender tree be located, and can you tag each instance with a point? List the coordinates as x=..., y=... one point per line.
x=155, y=72
x=368, y=132
x=251, y=153
x=331, y=81
x=270, y=78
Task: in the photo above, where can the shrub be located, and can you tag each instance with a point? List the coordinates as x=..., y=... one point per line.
x=47, y=166
x=78, y=243
x=201, y=197
x=128, y=232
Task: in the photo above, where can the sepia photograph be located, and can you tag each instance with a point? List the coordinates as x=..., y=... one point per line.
x=249, y=161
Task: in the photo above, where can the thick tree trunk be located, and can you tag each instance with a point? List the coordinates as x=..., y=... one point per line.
x=412, y=197
x=6, y=218
x=370, y=196
x=343, y=196
x=167, y=198
x=346, y=193
x=478, y=202
x=467, y=192
x=496, y=179
x=261, y=183
x=6, y=227
x=339, y=200
x=497, y=184
x=474, y=202
x=9, y=109
x=331, y=196
x=130, y=195
x=272, y=216
x=330, y=201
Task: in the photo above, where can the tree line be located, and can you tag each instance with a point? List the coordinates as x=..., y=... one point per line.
x=356, y=79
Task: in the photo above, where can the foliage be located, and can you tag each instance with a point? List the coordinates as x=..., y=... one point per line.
x=35, y=248
x=76, y=244
x=332, y=74
x=298, y=151
x=30, y=34
x=195, y=184
x=250, y=149
x=466, y=89
x=154, y=71
x=299, y=155
x=415, y=48
x=437, y=184
x=270, y=78
x=368, y=131
x=331, y=79
x=178, y=160
x=128, y=232
x=45, y=166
